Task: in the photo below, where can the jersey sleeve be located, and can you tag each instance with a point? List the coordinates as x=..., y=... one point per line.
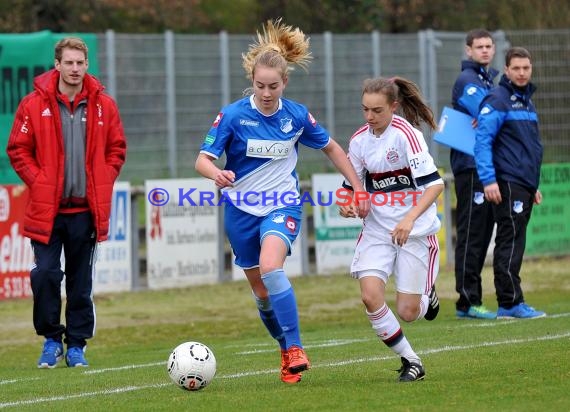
x=218, y=136
x=471, y=98
x=421, y=163
x=355, y=158
x=489, y=122
x=314, y=135
x=21, y=146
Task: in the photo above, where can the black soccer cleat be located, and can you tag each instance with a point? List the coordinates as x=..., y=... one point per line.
x=411, y=371
x=433, y=305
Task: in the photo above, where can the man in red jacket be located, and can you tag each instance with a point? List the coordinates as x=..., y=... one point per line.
x=68, y=146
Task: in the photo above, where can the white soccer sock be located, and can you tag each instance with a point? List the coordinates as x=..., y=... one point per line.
x=388, y=329
x=424, y=305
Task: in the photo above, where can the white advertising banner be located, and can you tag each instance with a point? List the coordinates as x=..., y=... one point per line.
x=335, y=236
x=113, y=268
x=181, y=232
x=293, y=264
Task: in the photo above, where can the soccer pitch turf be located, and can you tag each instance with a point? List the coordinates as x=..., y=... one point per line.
x=492, y=365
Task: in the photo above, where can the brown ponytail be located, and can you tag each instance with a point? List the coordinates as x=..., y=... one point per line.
x=407, y=94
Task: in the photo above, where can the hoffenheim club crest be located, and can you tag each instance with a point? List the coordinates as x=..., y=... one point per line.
x=286, y=125
x=278, y=218
x=478, y=198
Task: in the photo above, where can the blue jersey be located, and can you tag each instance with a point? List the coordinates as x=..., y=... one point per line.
x=262, y=152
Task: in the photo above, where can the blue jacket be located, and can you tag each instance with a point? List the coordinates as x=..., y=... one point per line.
x=469, y=89
x=507, y=140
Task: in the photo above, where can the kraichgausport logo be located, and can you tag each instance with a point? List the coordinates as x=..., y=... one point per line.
x=341, y=197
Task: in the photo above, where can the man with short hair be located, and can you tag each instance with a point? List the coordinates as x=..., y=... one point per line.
x=474, y=222
x=508, y=155
x=68, y=146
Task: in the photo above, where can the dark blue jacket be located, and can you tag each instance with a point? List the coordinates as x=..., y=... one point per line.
x=469, y=89
x=507, y=141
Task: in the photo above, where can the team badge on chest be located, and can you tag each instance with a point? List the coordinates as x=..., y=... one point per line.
x=392, y=155
x=286, y=125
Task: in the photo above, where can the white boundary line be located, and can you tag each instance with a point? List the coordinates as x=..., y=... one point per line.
x=269, y=371
x=81, y=395
x=420, y=352
x=18, y=380
x=122, y=368
x=465, y=323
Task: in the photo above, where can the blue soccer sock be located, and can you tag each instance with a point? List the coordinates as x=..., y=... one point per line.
x=284, y=305
x=270, y=321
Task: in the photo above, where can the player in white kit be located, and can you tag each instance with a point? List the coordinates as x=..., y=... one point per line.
x=398, y=237
x=259, y=135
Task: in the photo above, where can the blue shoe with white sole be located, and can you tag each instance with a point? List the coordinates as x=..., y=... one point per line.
x=51, y=354
x=520, y=311
x=76, y=357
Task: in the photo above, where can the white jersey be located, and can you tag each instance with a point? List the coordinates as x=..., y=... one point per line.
x=396, y=167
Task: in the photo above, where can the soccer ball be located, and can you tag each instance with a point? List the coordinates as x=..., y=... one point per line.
x=191, y=366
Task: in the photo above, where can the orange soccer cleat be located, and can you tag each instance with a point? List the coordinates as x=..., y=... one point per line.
x=287, y=376
x=298, y=360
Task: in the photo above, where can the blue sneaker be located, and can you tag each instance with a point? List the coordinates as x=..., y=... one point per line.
x=51, y=354
x=520, y=311
x=76, y=357
x=476, y=312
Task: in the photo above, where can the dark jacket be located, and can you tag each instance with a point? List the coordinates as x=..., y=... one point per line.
x=507, y=141
x=469, y=89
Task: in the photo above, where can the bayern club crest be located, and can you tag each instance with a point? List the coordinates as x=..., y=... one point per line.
x=392, y=156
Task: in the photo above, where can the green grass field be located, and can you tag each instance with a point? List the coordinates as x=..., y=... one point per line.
x=500, y=365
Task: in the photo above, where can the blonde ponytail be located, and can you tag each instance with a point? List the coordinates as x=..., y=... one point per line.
x=279, y=47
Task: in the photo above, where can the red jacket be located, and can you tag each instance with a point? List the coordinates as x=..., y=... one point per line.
x=35, y=149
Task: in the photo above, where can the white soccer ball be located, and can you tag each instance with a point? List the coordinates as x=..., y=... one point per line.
x=191, y=366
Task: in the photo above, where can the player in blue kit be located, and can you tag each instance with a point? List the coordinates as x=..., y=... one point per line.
x=259, y=135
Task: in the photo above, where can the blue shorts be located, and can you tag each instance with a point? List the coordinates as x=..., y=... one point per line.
x=246, y=231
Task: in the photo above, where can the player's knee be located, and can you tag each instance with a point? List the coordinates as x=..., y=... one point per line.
x=408, y=313
x=266, y=267
x=371, y=301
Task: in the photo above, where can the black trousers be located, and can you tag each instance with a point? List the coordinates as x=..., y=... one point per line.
x=512, y=216
x=474, y=225
x=75, y=235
